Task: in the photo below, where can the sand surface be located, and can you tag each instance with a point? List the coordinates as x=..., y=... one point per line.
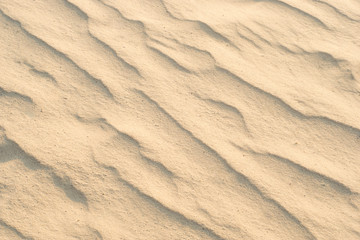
x=180, y=119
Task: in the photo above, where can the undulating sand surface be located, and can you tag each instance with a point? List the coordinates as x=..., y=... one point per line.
x=180, y=119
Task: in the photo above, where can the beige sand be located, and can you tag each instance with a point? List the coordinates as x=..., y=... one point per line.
x=180, y=119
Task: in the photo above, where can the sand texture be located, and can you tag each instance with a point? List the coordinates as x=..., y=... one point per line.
x=180, y=119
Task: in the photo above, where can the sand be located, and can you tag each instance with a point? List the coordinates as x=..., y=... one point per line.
x=169, y=119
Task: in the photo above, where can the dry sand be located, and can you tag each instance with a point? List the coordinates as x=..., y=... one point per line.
x=180, y=119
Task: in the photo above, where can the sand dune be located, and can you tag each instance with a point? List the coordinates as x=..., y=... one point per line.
x=165, y=119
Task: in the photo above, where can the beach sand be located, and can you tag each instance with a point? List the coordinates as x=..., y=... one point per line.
x=169, y=119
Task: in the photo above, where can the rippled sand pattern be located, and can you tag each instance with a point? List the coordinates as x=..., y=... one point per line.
x=169, y=119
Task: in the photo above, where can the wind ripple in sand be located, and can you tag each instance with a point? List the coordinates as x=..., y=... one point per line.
x=179, y=119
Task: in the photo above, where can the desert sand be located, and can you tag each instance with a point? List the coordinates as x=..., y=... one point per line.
x=180, y=119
